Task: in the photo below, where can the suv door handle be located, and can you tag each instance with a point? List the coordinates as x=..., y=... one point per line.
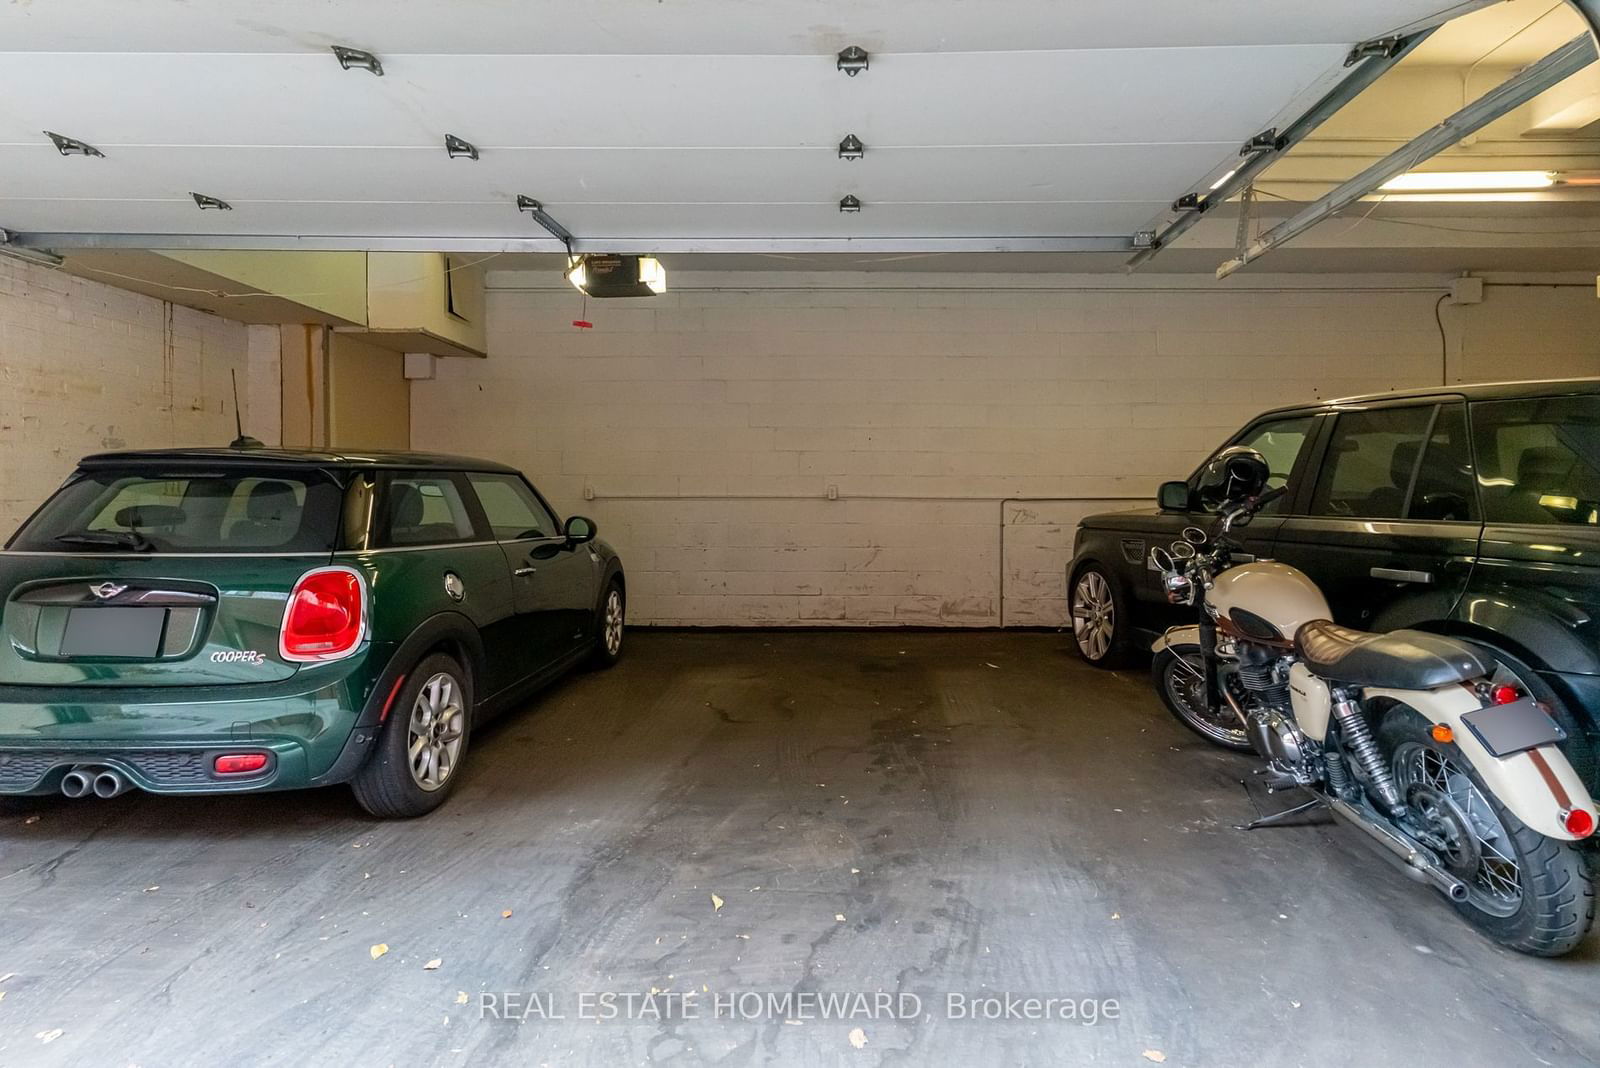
x=522, y=572
x=1394, y=574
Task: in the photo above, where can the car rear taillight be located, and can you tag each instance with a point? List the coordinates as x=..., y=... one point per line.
x=239, y=763
x=1579, y=823
x=1504, y=694
x=325, y=618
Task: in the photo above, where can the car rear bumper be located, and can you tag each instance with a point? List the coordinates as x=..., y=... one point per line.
x=163, y=770
x=166, y=740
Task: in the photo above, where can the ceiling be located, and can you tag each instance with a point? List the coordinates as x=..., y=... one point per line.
x=1505, y=34
x=715, y=123
x=682, y=119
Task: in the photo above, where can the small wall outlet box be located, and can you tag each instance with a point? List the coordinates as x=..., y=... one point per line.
x=1466, y=291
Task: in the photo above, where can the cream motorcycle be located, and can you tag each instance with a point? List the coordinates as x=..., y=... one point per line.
x=1408, y=736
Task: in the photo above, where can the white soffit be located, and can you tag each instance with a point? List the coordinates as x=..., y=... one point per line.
x=687, y=119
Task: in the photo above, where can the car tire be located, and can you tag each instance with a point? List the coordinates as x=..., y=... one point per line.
x=431, y=718
x=1580, y=746
x=609, y=621
x=1098, y=613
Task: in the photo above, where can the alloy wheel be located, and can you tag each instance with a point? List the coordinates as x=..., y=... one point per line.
x=433, y=741
x=1094, y=615
x=612, y=624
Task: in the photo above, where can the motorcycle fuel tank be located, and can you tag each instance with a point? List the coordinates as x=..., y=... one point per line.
x=1277, y=593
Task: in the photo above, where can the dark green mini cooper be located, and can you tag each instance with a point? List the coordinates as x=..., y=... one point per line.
x=242, y=619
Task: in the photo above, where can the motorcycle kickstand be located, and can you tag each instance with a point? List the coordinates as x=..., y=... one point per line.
x=1279, y=817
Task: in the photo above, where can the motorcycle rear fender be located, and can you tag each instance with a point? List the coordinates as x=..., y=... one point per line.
x=1538, y=785
x=1189, y=635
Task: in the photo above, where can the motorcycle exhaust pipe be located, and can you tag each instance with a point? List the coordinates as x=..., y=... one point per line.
x=1411, y=860
x=1243, y=719
x=109, y=784
x=77, y=783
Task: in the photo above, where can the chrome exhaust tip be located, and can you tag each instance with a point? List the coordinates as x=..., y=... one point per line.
x=77, y=783
x=109, y=784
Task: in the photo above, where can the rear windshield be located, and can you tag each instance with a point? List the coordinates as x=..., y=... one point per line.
x=1539, y=460
x=228, y=512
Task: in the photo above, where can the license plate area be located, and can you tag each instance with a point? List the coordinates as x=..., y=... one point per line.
x=1514, y=728
x=66, y=622
x=113, y=633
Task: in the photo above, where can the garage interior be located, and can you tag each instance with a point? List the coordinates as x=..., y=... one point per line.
x=842, y=455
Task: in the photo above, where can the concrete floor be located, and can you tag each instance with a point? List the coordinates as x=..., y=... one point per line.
x=926, y=813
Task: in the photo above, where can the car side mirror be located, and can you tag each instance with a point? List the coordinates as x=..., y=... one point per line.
x=1173, y=497
x=579, y=530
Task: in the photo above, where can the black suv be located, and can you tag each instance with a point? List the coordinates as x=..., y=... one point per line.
x=1472, y=511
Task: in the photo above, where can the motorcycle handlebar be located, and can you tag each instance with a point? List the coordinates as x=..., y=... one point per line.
x=1230, y=517
x=1214, y=553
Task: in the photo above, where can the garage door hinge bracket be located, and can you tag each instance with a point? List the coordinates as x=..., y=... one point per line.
x=71, y=146
x=1268, y=140
x=357, y=59
x=1377, y=48
x=459, y=147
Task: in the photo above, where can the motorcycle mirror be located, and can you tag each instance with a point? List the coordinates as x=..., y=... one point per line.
x=1194, y=535
x=1182, y=550
x=1161, y=560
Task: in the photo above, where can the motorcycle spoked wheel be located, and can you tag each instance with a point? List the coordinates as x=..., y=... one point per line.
x=1179, y=675
x=1528, y=892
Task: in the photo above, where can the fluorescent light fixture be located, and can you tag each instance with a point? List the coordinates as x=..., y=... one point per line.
x=1220, y=182
x=1468, y=181
x=1460, y=198
x=618, y=276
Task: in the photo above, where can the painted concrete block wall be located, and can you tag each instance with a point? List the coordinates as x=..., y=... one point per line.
x=964, y=424
x=85, y=367
x=263, y=387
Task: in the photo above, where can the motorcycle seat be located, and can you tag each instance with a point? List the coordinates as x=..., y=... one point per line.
x=1401, y=659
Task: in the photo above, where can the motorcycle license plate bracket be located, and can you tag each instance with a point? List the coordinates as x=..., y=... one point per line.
x=1505, y=730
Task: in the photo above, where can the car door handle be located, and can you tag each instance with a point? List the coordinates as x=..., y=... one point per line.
x=523, y=572
x=1395, y=574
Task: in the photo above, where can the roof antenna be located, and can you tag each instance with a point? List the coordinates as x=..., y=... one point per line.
x=243, y=441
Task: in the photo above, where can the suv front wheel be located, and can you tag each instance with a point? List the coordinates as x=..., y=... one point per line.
x=1099, y=621
x=420, y=749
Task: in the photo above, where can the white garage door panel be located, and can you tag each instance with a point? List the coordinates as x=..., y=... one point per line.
x=1174, y=95
x=1077, y=173
x=591, y=222
x=727, y=26
x=642, y=119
